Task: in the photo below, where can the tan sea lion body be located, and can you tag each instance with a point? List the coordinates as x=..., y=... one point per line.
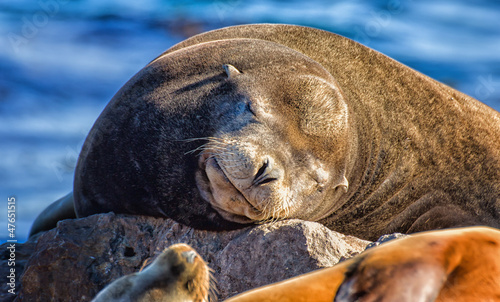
x=458, y=265
x=263, y=122
x=178, y=274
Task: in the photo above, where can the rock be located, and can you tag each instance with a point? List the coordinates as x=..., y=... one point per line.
x=78, y=258
x=22, y=252
x=278, y=251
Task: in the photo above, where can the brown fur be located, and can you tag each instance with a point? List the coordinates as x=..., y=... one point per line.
x=414, y=154
x=456, y=265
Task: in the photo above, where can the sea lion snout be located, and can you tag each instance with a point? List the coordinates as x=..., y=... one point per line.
x=246, y=181
x=190, y=256
x=239, y=181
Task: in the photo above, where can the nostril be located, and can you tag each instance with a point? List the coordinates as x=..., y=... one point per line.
x=266, y=180
x=262, y=169
x=189, y=255
x=266, y=173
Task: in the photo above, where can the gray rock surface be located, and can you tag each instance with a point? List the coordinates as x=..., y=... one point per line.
x=81, y=256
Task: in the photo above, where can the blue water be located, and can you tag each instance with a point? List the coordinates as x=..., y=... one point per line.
x=61, y=61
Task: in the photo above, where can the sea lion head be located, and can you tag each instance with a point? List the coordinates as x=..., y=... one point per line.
x=281, y=143
x=177, y=274
x=184, y=271
x=237, y=130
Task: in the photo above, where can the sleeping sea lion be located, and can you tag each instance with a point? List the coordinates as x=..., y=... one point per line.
x=256, y=123
x=264, y=122
x=458, y=265
x=177, y=274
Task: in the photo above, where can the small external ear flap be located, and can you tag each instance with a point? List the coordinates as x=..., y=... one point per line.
x=230, y=70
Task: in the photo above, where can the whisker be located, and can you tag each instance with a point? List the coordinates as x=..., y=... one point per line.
x=209, y=138
x=212, y=286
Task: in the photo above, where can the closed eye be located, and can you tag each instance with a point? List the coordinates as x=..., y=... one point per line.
x=242, y=108
x=249, y=108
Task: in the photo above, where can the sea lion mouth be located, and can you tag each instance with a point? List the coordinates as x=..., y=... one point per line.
x=223, y=195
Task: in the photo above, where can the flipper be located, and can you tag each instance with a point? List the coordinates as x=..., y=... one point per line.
x=60, y=209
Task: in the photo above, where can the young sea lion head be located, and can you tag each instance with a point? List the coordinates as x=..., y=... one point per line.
x=177, y=274
x=183, y=271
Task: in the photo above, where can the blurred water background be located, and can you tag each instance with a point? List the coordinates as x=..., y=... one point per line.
x=61, y=62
